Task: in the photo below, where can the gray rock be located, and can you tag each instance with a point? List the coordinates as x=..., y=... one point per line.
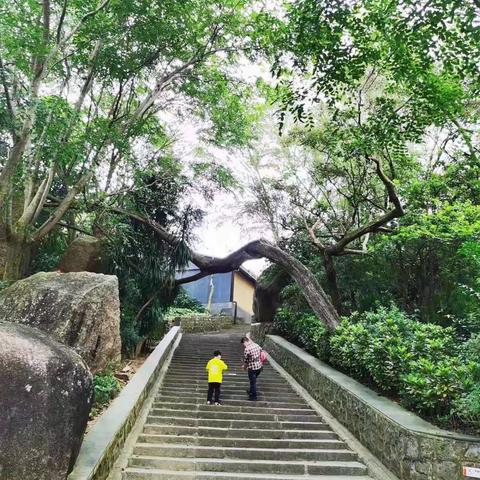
x=45, y=398
x=81, y=310
x=84, y=254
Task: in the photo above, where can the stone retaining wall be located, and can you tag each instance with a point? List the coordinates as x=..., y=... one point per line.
x=205, y=324
x=102, y=445
x=258, y=332
x=409, y=446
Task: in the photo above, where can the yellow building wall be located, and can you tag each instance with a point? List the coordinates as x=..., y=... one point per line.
x=243, y=293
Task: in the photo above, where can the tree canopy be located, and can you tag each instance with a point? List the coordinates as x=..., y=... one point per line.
x=374, y=167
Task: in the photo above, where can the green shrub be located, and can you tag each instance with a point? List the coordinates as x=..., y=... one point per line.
x=347, y=346
x=424, y=364
x=388, y=349
x=471, y=351
x=305, y=330
x=467, y=408
x=180, y=312
x=381, y=345
x=433, y=341
x=105, y=387
x=420, y=362
x=433, y=386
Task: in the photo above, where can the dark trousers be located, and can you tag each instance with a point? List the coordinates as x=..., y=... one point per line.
x=213, y=389
x=252, y=376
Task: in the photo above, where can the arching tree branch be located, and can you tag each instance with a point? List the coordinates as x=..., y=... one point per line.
x=311, y=289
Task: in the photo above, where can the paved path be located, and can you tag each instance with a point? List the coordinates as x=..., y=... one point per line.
x=279, y=437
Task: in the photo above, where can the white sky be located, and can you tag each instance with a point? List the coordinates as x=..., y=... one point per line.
x=222, y=230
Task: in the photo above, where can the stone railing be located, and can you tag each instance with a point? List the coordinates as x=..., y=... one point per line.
x=409, y=446
x=202, y=323
x=102, y=445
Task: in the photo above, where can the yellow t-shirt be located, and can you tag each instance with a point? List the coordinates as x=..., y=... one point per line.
x=215, y=369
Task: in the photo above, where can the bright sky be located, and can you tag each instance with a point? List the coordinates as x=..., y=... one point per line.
x=224, y=228
x=222, y=231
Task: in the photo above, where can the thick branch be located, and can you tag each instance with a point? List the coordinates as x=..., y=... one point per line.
x=145, y=306
x=150, y=98
x=60, y=22
x=377, y=224
x=191, y=278
x=390, y=186
x=32, y=210
x=311, y=289
x=87, y=85
x=60, y=211
x=74, y=228
x=8, y=101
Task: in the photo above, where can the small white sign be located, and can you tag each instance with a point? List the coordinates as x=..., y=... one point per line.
x=471, y=472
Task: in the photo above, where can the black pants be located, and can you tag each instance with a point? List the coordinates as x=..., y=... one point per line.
x=252, y=376
x=213, y=388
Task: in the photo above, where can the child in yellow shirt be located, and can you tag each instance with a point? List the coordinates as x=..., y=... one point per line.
x=215, y=368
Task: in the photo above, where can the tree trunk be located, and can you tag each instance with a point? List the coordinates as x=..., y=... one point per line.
x=266, y=299
x=311, y=288
x=18, y=257
x=331, y=274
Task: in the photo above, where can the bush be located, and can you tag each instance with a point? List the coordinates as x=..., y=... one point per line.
x=184, y=300
x=105, y=387
x=467, y=408
x=423, y=364
x=305, y=330
x=347, y=345
x=381, y=345
x=471, y=351
x=178, y=312
x=433, y=386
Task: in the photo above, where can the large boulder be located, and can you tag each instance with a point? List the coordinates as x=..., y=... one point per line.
x=84, y=254
x=45, y=399
x=81, y=310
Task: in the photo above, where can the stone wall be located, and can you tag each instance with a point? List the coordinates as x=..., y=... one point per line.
x=258, y=332
x=204, y=323
x=409, y=446
x=103, y=444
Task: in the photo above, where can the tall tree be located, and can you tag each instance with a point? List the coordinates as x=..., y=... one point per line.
x=368, y=81
x=83, y=86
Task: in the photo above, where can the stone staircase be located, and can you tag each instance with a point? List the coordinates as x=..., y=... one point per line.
x=279, y=437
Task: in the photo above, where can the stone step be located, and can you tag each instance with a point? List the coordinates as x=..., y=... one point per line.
x=228, y=381
x=221, y=414
x=328, y=444
x=157, y=474
x=227, y=388
x=219, y=423
x=249, y=466
x=200, y=376
x=234, y=359
x=183, y=369
x=258, y=433
x=193, y=379
x=228, y=393
x=277, y=437
x=233, y=408
x=241, y=401
x=250, y=453
x=187, y=371
x=233, y=367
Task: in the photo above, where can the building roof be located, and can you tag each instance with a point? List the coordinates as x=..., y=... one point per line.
x=248, y=275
